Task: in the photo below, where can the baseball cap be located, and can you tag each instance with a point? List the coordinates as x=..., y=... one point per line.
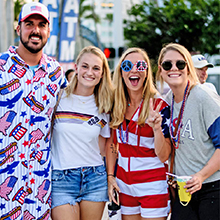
x=199, y=61
x=32, y=9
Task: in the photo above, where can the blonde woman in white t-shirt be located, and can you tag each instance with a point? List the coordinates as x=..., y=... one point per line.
x=81, y=126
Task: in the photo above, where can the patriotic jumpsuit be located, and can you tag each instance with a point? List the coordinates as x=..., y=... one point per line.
x=27, y=100
x=141, y=176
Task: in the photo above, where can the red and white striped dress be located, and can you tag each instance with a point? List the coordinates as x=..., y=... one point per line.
x=141, y=176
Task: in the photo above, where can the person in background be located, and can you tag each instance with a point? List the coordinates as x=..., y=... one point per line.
x=29, y=84
x=69, y=74
x=201, y=65
x=81, y=126
x=194, y=130
x=140, y=139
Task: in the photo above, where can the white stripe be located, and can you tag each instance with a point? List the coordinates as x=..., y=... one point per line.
x=145, y=163
x=125, y=210
x=143, y=189
x=154, y=212
x=147, y=142
x=145, y=212
x=123, y=162
x=133, y=138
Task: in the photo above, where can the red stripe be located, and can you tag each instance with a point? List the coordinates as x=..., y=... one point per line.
x=157, y=101
x=145, y=131
x=153, y=201
x=134, y=151
x=142, y=176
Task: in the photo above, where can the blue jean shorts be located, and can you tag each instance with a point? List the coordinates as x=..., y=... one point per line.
x=84, y=183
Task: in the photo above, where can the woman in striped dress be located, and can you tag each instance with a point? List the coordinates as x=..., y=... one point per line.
x=140, y=140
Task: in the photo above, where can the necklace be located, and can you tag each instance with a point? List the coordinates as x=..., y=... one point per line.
x=175, y=134
x=83, y=99
x=124, y=137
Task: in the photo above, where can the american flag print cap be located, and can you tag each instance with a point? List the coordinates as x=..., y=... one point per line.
x=32, y=9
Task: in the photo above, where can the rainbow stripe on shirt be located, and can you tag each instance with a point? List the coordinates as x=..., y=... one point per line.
x=78, y=118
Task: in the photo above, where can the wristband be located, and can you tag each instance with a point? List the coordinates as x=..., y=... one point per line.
x=110, y=175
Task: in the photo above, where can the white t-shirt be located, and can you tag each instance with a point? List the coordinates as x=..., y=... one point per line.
x=77, y=127
x=211, y=86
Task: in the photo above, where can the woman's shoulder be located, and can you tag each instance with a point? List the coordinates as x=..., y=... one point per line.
x=204, y=96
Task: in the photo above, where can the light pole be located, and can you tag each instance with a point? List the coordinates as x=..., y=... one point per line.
x=6, y=24
x=118, y=36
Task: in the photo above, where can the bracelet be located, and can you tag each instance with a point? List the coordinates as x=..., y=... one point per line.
x=110, y=175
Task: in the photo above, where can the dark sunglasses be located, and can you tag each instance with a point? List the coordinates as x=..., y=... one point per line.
x=167, y=65
x=127, y=65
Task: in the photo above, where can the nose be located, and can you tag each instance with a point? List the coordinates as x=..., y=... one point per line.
x=89, y=72
x=133, y=69
x=174, y=67
x=36, y=29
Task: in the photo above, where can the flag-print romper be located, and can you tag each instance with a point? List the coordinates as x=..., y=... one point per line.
x=27, y=99
x=141, y=176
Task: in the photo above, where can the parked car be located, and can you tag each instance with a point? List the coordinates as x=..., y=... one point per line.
x=214, y=77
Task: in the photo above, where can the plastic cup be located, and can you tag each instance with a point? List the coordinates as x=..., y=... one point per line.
x=184, y=196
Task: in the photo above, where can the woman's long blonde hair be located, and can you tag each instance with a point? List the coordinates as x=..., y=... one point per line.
x=187, y=57
x=103, y=90
x=121, y=96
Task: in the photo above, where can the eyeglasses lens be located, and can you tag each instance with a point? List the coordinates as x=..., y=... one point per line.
x=180, y=64
x=126, y=65
x=141, y=65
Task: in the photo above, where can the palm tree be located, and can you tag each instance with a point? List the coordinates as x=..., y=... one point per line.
x=88, y=12
x=17, y=8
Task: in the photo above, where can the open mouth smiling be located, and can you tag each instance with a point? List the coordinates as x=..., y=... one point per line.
x=134, y=80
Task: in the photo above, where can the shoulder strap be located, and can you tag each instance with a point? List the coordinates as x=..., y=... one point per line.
x=54, y=111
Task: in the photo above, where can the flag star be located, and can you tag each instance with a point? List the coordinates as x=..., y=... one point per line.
x=0, y=76
x=48, y=101
x=167, y=122
x=38, y=145
x=32, y=181
x=41, y=83
x=24, y=177
x=22, y=156
x=28, y=82
x=46, y=126
x=25, y=143
x=1, y=140
x=38, y=208
x=23, y=114
x=44, y=97
x=2, y=206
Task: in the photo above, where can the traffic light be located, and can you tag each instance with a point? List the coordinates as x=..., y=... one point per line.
x=109, y=52
x=120, y=51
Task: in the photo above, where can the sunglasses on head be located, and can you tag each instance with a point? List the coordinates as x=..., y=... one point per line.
x=180, y=64
x=127, y=65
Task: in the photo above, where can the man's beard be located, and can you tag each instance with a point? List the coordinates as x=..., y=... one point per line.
x=32, y=50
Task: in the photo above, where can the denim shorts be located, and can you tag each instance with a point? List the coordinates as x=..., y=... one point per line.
x=84, y=183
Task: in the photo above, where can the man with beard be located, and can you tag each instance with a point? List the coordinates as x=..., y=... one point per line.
x=29, y=85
